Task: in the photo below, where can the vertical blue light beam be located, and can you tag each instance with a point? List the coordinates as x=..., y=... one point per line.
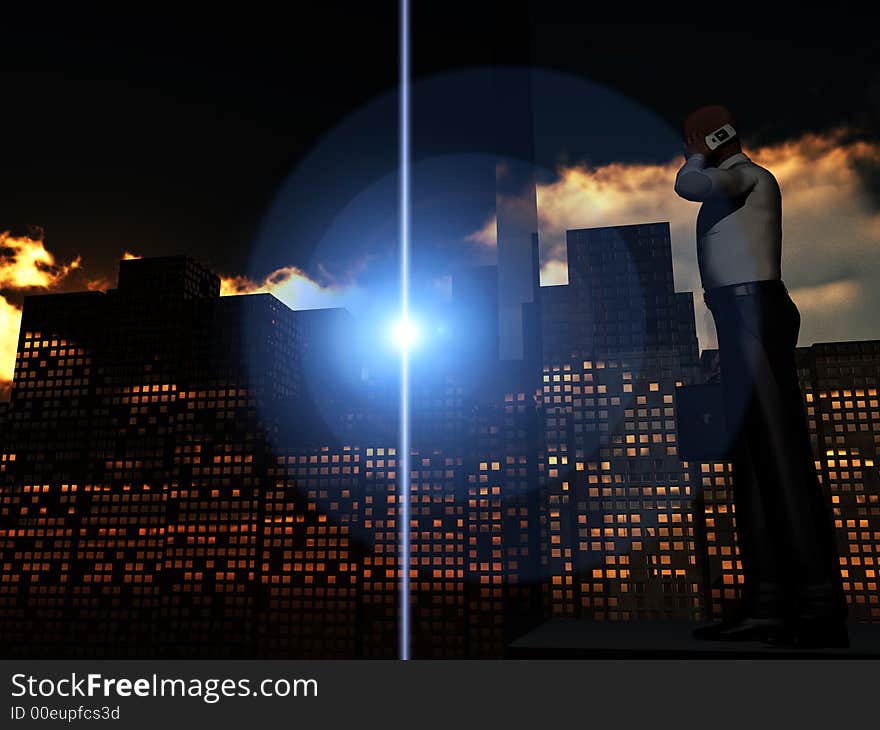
x=403, y=451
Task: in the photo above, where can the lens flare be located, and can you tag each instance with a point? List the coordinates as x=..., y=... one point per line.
x=405, y=329
x=405, y=333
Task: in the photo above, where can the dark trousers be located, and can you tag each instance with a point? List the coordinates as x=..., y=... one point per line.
x=783, y=523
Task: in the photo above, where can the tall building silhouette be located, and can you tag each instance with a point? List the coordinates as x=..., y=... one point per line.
x=136, y=457
x=619, y=539
x=620, y=296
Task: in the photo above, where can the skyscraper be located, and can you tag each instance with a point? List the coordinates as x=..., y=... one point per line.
x=135, y=462
x=618, y=540
x=621, y=295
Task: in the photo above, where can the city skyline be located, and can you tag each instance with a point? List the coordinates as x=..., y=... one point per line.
x=208, y=467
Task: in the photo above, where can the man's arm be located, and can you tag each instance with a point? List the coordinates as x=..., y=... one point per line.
x=697, y=182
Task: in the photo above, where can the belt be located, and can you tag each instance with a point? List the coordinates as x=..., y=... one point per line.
x=747, y=288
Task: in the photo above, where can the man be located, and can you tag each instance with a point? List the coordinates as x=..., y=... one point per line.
x=792, y=585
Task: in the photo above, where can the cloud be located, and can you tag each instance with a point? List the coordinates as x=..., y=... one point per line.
x=100, y=283
x=293, y=287
x=554, y=271
x=25, y=265
x=10, y=322
x=831, y=257
x=487, y=235
x=826, y=308
x=834, y=294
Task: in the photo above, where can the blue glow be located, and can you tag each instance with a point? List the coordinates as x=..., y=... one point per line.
x=405, y=333
x=403, y=451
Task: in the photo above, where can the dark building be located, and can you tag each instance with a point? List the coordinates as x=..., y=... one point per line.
x=167, y=278
x=135, y=460
x=475, y=311
x=618, y=540
x=620, y=296
x=328, y=381
x=556, y=343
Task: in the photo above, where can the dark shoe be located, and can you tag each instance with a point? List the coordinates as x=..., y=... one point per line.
x=742, y=629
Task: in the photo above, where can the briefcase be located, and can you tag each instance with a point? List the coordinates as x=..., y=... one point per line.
x=703, y=434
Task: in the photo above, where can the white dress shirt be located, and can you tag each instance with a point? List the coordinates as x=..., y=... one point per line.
x=739, y=228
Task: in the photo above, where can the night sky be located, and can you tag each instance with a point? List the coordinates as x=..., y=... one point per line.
x=173, y=133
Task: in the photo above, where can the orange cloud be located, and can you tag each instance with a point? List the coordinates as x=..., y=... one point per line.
x=293, y=287
x=10, y=322
x=25, y=264
x=102, y=283
x=831, y=261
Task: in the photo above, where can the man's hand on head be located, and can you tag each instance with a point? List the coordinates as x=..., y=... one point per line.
x=695, y=143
